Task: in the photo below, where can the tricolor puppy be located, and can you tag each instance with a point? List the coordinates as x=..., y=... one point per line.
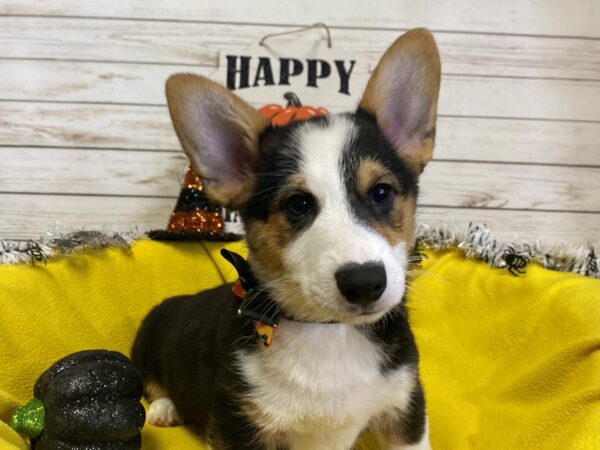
x=328, y=205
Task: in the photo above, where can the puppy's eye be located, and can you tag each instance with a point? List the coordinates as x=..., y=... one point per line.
x=381, y=195
x=298, y=205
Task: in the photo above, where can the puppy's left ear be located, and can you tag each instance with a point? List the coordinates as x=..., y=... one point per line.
x=402, y=94
x=219, y=132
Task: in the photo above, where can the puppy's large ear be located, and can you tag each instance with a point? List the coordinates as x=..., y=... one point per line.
x=219, y=133
x=402, y=93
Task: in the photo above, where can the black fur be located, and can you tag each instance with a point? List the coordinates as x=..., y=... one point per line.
x=371, y=143
x=278, y=159
x=406, y=427
x=393, y=335
x=413, y=424
x=187, y=345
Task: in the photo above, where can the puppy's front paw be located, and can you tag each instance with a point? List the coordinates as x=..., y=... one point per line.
x=162, y=413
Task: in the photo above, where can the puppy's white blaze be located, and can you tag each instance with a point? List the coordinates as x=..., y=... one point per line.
x=316, y=378
x=336, y=237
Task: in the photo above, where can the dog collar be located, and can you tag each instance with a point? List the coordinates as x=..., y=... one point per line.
x=257, y=305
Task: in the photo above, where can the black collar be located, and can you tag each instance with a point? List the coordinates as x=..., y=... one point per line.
x=257, y=303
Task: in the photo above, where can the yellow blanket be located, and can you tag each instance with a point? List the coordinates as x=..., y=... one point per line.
x=507, y=362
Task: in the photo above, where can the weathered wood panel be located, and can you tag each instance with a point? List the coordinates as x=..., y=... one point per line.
x=160, y=42
x=149, y=127
x=547, y=17
x=76, y=125
x=27, y=216
x=141, y=173
x=515, y=140
x=98, y=172
x=30, y=216
x=510, y=186
x=144, y=84
x=87, y=81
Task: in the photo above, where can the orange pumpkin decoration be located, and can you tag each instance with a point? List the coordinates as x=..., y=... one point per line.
x=280, y=115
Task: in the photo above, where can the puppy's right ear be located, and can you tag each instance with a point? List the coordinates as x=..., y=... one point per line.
x=219, y=132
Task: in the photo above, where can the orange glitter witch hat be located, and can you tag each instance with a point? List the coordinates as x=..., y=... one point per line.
x=196, y=217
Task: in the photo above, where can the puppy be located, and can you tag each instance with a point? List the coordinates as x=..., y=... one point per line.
x=328, y=205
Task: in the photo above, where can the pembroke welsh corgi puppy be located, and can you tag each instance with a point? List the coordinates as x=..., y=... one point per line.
x=328, y=206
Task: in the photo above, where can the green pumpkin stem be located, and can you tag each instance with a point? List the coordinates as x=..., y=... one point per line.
x=29, y=419
x=292, y=99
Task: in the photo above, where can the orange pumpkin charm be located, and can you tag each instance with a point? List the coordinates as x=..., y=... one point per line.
x=280, y=116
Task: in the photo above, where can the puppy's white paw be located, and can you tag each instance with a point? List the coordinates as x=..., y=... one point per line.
x=162, y=413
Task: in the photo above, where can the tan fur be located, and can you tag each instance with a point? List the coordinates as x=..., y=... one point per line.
x=154, y=391
x=295, y=183
x=402, y=228
x=412, y=59
x=194, y=101
x=370, y=173
x=267, y=242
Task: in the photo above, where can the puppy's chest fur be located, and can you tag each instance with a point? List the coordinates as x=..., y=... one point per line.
x=318, y=377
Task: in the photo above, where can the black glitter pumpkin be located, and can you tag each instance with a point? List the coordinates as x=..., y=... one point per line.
x=91, y=401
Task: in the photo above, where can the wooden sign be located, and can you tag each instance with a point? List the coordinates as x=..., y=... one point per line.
x=316, y=74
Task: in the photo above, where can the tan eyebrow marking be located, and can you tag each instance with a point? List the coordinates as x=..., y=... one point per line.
x=400, y=226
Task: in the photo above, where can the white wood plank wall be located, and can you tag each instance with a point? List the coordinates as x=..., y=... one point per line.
x=85, y=137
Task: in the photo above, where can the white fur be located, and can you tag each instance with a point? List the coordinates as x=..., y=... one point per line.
x=163, y=413
x=321, y=384
x=335, y=237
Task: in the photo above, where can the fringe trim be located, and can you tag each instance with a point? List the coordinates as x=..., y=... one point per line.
x=474, y=241
x=48, y=246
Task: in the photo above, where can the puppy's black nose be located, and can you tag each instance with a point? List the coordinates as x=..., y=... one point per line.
x=361, y=283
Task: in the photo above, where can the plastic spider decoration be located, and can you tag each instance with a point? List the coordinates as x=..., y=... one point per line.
x=514, y=262
x=36, y=252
